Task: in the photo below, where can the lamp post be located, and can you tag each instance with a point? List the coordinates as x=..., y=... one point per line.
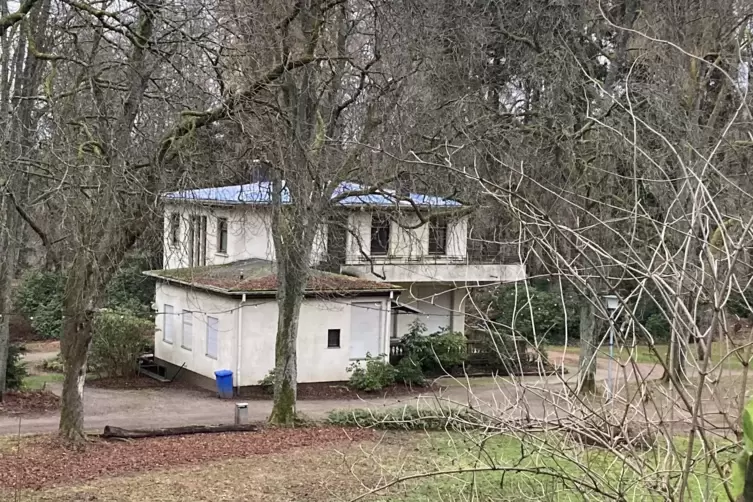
x=611, y=303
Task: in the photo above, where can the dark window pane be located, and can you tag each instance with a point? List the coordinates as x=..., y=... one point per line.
x=380, y=235
x=175, y=228
x=222, y=235
x=333, y=338
x=438, y=236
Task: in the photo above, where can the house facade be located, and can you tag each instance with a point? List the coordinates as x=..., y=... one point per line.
x=408, y=253
x=379, y=236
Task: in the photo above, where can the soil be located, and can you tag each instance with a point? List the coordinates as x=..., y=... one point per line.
x=338, y=390
x=44, y=461
x=17, y=403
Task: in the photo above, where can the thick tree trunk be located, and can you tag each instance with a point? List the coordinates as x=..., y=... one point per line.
x=588, y=342
x=117, y=432
x=676, y=358
x=290, y=297
x=8, y=258
x=74, y=347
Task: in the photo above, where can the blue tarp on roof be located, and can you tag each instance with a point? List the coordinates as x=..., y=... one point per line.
x=261, y=193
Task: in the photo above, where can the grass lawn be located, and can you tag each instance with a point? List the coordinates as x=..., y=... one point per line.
x=345, y=471
x=37, y=382
x=643, y=354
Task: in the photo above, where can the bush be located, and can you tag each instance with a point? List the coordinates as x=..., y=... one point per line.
x=377, y=374
x=539, y=311
x=408, y=372
x=408, y=418
x=437, y=352
x=40, y=298
x=118, y=340
x=268, y=382
x=129, y=289
x=53, y=364
x=15, y=372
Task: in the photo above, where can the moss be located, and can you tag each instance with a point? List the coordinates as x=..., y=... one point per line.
x=283, y=411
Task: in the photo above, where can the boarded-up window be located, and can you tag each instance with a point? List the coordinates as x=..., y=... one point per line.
x=365, y=329
x=167, y=323
x=187, y=342
x=212, y=336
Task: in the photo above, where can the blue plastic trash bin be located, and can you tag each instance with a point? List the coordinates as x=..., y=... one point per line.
x=224, y=383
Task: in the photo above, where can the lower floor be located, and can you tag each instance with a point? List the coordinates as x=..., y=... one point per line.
x=437, y=306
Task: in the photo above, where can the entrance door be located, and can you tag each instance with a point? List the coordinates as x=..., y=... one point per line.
x=365, y=329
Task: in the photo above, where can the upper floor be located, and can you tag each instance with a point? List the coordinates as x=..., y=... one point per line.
x=425, y=240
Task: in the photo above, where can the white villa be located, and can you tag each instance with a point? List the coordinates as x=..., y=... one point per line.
x=376, y=271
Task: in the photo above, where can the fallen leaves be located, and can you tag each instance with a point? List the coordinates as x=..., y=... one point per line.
x=28, y=402
x=44, y=461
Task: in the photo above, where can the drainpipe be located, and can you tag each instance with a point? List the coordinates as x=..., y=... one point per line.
x=239, y=354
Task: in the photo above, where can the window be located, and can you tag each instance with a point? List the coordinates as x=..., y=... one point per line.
x=380, y=234
x=175, y=228
x=187, y=342
x=167, y=323
x=333, y=338
x=197, y=237
x=438, y=236
x=212, y=336
x=222, y=235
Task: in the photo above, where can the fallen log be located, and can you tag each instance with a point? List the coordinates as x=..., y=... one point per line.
x=118, y=433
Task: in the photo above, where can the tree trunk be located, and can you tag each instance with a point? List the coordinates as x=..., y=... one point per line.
x=290, y=296
x=588, y=342
x=74, y=347
x=117, y=432
x=8, y=259
x=676, y=353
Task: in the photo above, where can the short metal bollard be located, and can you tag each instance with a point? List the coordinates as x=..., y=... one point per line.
x=241, y=413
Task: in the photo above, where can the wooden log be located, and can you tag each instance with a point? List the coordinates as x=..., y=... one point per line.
x=117, y=432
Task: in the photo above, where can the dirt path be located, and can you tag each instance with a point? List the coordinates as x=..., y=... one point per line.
x=170, y=407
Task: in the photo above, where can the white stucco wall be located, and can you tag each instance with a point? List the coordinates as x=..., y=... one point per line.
x=442, y=306
x=408, y=244
x=249, y=234
x=316, y=362
x=202, y=305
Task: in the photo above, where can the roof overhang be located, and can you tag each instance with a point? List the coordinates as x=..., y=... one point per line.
x=401, y=307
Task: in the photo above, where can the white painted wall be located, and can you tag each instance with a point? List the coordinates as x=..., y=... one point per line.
x=202, y=304
x=249, y=234
x=316, y=362
x=406, y=244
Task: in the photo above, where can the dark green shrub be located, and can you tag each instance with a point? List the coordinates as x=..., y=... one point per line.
x=40, y=298
x=538, y=314
x=118, y=340
x=375, y=374
x=15, y=372
x=129, y=289
x=409, y=373
x=437, y=352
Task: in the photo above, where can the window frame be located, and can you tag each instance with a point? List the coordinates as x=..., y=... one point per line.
x=380, y=223
x=167, y=325
x=213, y=323
x=330, y=333
x=222, y=231
x=438, y=225
x=186, y=315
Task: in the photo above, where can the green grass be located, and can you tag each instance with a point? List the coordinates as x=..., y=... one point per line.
x=37, y=382
x=486, y=473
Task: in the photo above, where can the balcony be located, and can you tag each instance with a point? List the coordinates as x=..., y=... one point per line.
x=433, y=268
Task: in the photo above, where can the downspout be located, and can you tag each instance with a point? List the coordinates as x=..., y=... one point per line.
x=239, y=354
